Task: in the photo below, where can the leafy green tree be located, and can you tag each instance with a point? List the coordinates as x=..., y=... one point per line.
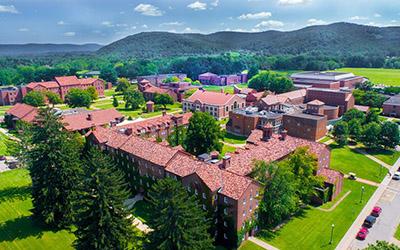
x=115, y=101
x=34, y=98
x=390, y=134
x=278, y=197
x=253, y=70
x=355, y=129
x=93, y=93
x=203, y=134
x=108, y=74
x=260, y=171
x=274, y=82
x=371, y=135
x=372, y=116
x=52, y=156
x=78, y=98
x=171, y=79
x=354, y=114
x=341, y=133
x=53, y=98
x=122, y=84
x=102, y=221
x=382, y=245
x=177, y=219
x=163, y=99
x=133, y=98
x=187, y=79
x=304, y=166
x=177, y=137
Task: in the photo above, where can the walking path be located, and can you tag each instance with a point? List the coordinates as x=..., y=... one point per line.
x=336, y=204
x=129, y=203
x=262, y=243
x=368, y=182
x=371, y=157
x=352, y=231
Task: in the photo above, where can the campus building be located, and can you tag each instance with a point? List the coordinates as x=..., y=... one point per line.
x=218, y=104
x=332, y=97
x=222, y=80
x=157, y=80
x=391, y=107
x=10, y=95
x=329, y=80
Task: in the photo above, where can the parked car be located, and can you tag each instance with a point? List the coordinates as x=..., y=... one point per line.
x=369, y=221
x=352, y=176
x=2, y=158
x=376, y=211
x=362, y=234
x=396, y=176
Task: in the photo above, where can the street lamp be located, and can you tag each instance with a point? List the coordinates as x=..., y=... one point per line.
x=362, y=193
x=333, y=226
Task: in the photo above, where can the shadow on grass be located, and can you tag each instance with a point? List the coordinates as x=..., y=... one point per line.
x=15, y=193
x=19, y=228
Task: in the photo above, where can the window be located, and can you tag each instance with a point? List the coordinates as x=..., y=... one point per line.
x=216, y=220
x=204, y=207
x=195, y=192
x=225, y=211
x=244, y=201
x=251, y=209
x=225, y=224
x=225, y=200
x=244, y=213
x=204, y=196
x=225, y=237
x=188, y=188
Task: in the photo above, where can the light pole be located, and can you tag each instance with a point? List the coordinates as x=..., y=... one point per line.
x=362, y=193
x=333, y=226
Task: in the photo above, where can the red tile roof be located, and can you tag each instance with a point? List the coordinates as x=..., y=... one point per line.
x=234, y=185
x=50, y=84
x=23, y=112
x=330, y=176
x=274, y=99
x=87, y=81
x=209, y=97
x=316, y=102
x=67, y=80
x=80, y=121
x=155, y=90
x=183, y=164
x=300, y=93
x=362, y=108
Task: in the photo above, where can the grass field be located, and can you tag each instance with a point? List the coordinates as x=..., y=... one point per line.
x=234, y=139
x=17, y=229
x=227, y=149
x=397, y=233
x=311, y=229
x=227, y=89
x=142, y=211
x=347, y=160
x=3, y=109
x=378, y=76
x=248, y=245
x=325, y=139
x=5, y=144
x=387, y=156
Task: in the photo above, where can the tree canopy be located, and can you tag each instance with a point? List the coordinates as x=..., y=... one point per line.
x=78, y=98
x=34, y=98
x=267, y=80
x=133, y=98
x=163, y=99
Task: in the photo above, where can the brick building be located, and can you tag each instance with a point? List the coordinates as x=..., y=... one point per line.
x=157, y=80
x=391, y=107
x=20, y=112
x=222, y=80
x=329, y=80
x=332, y=97
x=306, y=126
x=10, y=95
x=215, y=103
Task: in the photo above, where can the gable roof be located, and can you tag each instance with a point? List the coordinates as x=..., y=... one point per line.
x=316, y=102
x=274, y=99
x=23, y=112
x=300, y=93
x=86, y=120
x=67, y=80
x=88, y=80
x=209, y=97
x=49, y=84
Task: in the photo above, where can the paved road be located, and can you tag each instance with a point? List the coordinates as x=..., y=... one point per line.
x=386, y=224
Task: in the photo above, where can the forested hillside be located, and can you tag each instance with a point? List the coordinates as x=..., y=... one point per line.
x=39, y=49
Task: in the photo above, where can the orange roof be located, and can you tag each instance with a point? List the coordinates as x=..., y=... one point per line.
x=23, y=112
x=86, y=81
x=154, y=89
x=67, y=80
x=330, y=175
x=209, y=97
x=80, y=121
x=274, y=99
x=50, y=84
x=300, y=93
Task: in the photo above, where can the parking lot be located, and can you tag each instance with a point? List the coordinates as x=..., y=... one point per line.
x=387, y=222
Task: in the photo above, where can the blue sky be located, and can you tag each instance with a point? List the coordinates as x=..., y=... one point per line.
x=104, y=21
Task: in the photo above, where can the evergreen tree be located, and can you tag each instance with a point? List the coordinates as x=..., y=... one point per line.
x=115, y=101
x=102, y=221
x=52, y=156
x=177, y=220
x=203, y=134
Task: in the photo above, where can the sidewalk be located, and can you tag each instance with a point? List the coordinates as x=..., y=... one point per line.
x=262, y=243
x=349, y=236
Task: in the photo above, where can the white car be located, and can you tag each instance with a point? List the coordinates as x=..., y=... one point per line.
x=396, y=176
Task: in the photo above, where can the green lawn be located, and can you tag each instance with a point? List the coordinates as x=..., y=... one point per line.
x=17, y=229
x=248, y=245
x=397, y=233
x=5, y=144
x=348, y=160
x=311, y=228
x=110, y=92
x=3, y=109
x=142, y=211
x=227, y=89
x=234, y=139
x=325, y=139
x=387, y=156
x=378, y=76
x=227, y=149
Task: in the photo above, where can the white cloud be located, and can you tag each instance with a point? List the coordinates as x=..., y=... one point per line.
x=259, y=15
x=188, y=30
x=69, y=34
x=23, y=29
x=393, y=21
x=8, y=9
x=292, y=2
x=107, y=24
x=148, y=10
x=377, y=15
x=357, y=18
x=271, y=24
x=314, y=21
x=172, y=24
x=243, y=30
x=144, y=26
x=197, y=6
x=215, y=3
x=61, y=22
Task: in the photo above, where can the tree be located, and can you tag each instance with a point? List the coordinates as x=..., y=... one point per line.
x=267, y=80
x=78, y=98
x=371, y=135
x=52, y=156
x=163, y=99
x=372, y=116
x=253, y=70
x=187, y=79
x=133, y=98
x=355, y=129
x=354, y=114
x=108, y=74
x=34, y=98
x=171, y=79
x=177, y=136
x=390, y=134
x=304, y=166
x=203, y=134
x=102, y=221
x=115, y=101
x=260, y=171
x=177, y=219
x=382, y=245
x=341, y=133
x=278, y=197
x=53, y=98
x=93, y=92
x=123, y=84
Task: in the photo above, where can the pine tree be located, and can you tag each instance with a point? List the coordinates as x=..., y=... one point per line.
x=102, y=221
x=178, y=221
x=52, y=156
x=115, y=102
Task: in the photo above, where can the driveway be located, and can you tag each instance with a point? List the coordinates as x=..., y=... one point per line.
x=387, y=222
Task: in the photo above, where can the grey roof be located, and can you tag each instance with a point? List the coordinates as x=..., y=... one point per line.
x=307, y=116
x=394, y=100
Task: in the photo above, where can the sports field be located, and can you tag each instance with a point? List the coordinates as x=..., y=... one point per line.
x=378, y=76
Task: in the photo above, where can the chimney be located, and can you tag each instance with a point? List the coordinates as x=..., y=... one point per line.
x=226, y=161
x=267, y=131
x=178, y=120
x=89, y=117
x=222, y=90
x=164, y=112
x=128, y=131
x=283, y=134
